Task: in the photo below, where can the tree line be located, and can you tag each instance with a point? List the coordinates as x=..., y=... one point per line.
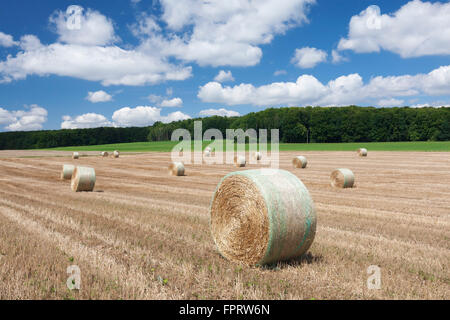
x=310, y=124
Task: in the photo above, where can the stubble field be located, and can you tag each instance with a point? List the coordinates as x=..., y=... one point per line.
x=143, y=234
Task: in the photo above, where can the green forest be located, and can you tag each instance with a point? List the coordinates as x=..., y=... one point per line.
x=296, y=125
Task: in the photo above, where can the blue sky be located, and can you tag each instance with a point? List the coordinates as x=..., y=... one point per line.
x=66, y=64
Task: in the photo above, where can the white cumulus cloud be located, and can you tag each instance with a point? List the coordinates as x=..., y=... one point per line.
x=98, y=96
x=172, y=103
x=6, y=40
x=308, y=57
x=84, y=121
x=417, y=29
x=224, y=76
x=83, y=27
x=219, y=33
x=32, y=118
x=89, y=55
x=219, y=112
x=344, y=90
x=144, y=116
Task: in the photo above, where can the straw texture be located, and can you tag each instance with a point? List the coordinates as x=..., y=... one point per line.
x=362, y=152
x=342, y=178
x=67, y=170
x=239, y=161
x=176, y=169
x=83, y=179
x=300, y=162
x=259, y=219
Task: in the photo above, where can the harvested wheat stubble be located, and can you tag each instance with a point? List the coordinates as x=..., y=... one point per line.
x=342, y=178
x=176, y=169
x=83, y=179
x=116, y=154
x=239, y=161
x=362, y=152
x=75, y=155
x=105, y=154
x=258, y=156
x=300, y=162
x=258, y=218
x=67, y=171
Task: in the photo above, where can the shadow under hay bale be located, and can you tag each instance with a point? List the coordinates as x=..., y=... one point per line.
x=83, y=179
x=258, y=218
x=342, y=178
x=300, y=162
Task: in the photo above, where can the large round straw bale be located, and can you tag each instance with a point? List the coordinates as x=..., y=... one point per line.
x=176, y=169
x=300, y=162
x=258, y=156
x=362, y=152
x=258, y=218
x=105, y=154
x=67, y=170
x=342, y=178
x=239, y=161
x=116, y=154
x=75, y=155
x=83, y=179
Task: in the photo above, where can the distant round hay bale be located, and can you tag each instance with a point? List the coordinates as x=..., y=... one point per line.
x=239, y=161
x=116, y=154
x=362, y=152
x=342, y=178
x=83, y=179
x=75, y=155
x=207, y=153
x=176, y=169
x=259, y=219
x=180, y=152
x=300, y=162
x=67, y=171
x=105, y=154
x=258, y=156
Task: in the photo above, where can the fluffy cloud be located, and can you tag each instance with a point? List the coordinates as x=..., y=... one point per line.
x=89, y=28
x=144, y=116
x=350, y=89
x=308, y=57
x=337, y=57
x=416, y=29
x=224, y=32
x=172, y=103
x=224, y=76
x=219, y=112
x=98, y=96
x=32, y=118
x=6, y=40
x=88, y=120
x=86, y=56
